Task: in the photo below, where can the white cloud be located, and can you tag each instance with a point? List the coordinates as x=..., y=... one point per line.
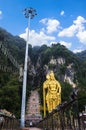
x=81, y=35
x=0, y=14
x=77, y=50
x=43, y=20
x=52, y=25
x=77, y=25
x=68, y=32
x=38, y=38
x=67, y=44
x=79, y=20
x=77, y=29
x=62, y=13
x=44, y=35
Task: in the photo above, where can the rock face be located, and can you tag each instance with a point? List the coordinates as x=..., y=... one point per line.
x=33, y=114
x=69, y=75
x=65, y=73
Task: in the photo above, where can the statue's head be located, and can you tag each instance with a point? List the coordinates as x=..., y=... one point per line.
x=52, y=75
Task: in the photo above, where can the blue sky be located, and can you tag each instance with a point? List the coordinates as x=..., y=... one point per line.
x=61, y=21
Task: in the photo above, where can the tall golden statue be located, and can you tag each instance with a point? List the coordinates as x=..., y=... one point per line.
x=51, y=93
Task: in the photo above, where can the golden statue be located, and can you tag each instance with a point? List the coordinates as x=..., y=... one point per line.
x=51, y=93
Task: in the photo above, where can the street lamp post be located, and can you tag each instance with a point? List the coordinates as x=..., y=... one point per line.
x=29, y=13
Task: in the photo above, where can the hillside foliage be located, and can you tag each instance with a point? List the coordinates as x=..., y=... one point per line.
x=38, y=65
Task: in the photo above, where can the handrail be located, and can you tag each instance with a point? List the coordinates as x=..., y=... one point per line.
x=64, y=117
x=8, y=122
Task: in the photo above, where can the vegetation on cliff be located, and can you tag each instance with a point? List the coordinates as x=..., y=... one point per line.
x=41, y=59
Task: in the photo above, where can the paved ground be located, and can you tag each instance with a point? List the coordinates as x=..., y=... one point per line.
x=31, y=128
x=34, y=128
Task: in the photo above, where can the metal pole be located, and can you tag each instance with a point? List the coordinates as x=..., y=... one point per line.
x=29, y=13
